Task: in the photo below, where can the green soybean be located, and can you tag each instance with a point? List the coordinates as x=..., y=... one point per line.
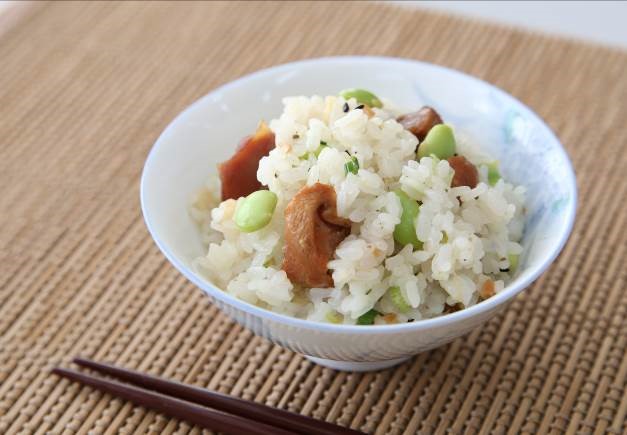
x=255, y=211
x=367, y=318
x=362, y=96
x=334, y=317
x=398, y=300
x=493, y=173
x=513, y=262
x=405, y=231
x=439, y=142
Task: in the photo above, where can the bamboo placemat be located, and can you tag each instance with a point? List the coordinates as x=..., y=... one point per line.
x=85, y=89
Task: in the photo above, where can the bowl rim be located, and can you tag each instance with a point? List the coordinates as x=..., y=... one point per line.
x=511, y=290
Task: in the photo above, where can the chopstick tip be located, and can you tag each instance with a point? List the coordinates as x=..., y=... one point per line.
x=59, y=371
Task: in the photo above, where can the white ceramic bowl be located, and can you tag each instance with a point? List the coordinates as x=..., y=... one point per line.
x=208, y=131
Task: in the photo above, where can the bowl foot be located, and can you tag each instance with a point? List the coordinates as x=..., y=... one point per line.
x=357, y=366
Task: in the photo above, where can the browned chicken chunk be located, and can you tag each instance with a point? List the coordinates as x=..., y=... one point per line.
x=239, y=174
x=419, y=123
x=465, y=172
x=312, y=232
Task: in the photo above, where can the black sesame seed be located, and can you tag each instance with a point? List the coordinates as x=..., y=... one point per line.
x=345, y=107
x=504, y=270
x=361, y=106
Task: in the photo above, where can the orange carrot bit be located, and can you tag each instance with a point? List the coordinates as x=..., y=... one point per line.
x=487, y=289
x=390, y=318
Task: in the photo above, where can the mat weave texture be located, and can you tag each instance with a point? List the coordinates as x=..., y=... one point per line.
x=86, y=88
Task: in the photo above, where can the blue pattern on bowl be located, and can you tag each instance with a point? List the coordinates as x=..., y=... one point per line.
x=528, y=154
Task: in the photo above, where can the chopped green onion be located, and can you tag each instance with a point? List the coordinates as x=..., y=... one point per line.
x=334, y=317
x=315, y=153
x=351, y=166
x=367, y=318
x=398, y=300
x=493, y=173
x=320, y=148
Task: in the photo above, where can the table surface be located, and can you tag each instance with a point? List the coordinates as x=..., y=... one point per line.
x=86, y=88
x=598, y=21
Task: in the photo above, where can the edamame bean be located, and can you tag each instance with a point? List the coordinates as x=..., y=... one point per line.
x=398, y=300
x=255, y=211
x=439, y=142
x=334, y=317
x=362, y=96
x=513, y=262
x=405, y=231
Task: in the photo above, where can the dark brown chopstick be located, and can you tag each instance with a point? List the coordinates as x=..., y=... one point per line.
x=204, y=417
x=244, y=408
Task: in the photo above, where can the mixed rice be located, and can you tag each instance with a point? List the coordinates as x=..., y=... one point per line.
x=409, y=235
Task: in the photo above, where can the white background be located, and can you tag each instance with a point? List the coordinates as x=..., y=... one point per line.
x=596, y=21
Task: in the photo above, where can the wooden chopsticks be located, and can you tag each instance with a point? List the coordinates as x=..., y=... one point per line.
x=205, y=408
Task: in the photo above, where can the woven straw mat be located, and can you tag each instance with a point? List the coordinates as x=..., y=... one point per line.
x=86, y=88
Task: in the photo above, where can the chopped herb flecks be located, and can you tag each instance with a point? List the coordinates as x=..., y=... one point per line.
x=352, y=166
x=319, y=150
